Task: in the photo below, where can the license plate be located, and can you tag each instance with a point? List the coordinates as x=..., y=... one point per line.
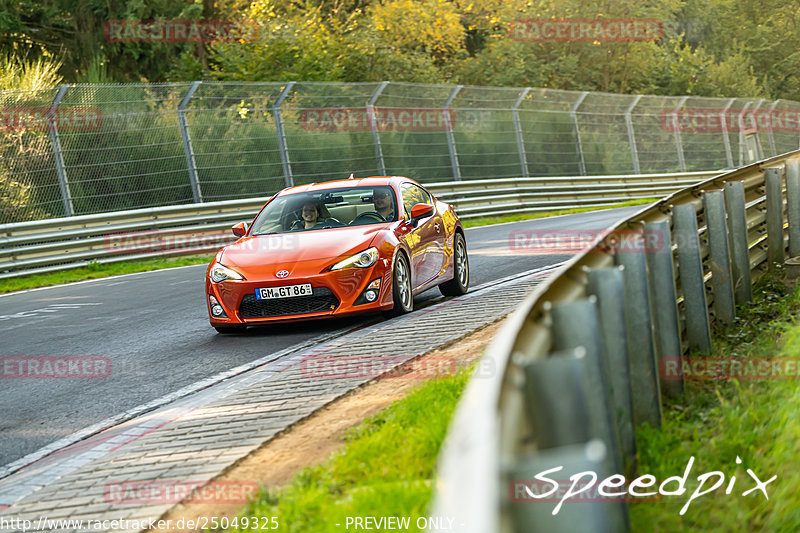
x=288, y=291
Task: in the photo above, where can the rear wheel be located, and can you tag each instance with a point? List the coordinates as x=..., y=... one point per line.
x=401, y=287
x=460, y=282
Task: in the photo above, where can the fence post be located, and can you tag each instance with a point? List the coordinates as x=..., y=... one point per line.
x=573, y=113
x=726, y=140
x=793, y=205
x=678, y=140
x=775, y=242
x=740, y=254
x=276, y=112
x=719, y=256
x=606, y=285
x=631, y=136
x=373, y=124
x=770, y=132
x=645, y=388
x=698, y=330
x=523, y=160
x=664, y=308
x=58, y=155
x=450, y=139
x=742, y=142
x=187, y=142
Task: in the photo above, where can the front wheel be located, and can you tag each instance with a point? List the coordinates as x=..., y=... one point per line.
x=401, y=287
x=460, y=282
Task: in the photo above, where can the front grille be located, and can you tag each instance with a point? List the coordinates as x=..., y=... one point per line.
x=321, y=300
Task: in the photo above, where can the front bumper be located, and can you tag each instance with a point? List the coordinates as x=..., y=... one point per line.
x=335, y=293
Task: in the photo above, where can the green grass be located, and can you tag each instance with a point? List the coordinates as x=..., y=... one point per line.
x=486, y=221
x=716, y=422
x=98, y=270
x=385, y=469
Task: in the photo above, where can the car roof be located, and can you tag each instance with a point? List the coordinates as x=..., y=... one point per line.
x=372, y=181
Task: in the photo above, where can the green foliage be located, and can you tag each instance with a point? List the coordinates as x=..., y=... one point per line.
x=718, y=421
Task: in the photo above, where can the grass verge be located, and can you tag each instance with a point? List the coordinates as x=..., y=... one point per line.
x=486, y=221
x=98, y=270
x=386, y=467
x=717, y=422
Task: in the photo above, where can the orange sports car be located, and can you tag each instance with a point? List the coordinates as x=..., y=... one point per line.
x=337, y=248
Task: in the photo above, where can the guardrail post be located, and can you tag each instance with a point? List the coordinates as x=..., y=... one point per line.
x=678, y=140
x=606, y=285
x=661, y=278
x=373, y=125
x=719, y=256
x=740, y=265
x=793, y=205
x=58, y=155
x=575, y=324
x=276, y=112
x=698, y=330
x=187, y=142
x=523, y=160
x=548, y=406
x=573, y=113
x=726, y=140
x=530, y=514
x=631, y=136
x=451, y=143
x=645, y=388
x=775, y=242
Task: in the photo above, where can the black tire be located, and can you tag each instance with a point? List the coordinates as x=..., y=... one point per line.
x=401, y=287
x=460, y=282
x=229, y=330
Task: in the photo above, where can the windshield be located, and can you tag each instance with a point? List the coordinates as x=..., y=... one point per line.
x=331, y=208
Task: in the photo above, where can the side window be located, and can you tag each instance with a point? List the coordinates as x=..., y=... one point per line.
x=413, y=195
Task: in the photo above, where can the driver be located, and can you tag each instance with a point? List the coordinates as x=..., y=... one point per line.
x=382, y=200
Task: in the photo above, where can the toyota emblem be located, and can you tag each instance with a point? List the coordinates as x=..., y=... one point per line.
x=282, y=273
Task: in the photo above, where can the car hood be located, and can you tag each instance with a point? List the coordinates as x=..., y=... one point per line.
x=249, y=255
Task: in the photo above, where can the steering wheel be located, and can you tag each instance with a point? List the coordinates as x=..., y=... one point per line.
x=369, y=216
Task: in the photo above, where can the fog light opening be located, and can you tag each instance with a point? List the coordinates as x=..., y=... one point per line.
x=216, y=309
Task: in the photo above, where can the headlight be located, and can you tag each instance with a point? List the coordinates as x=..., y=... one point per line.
x=364, y=259
x=220, y=272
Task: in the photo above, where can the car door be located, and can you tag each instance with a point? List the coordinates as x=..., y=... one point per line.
x=426, y=240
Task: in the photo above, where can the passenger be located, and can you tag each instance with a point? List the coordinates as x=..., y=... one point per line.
x=312, y=216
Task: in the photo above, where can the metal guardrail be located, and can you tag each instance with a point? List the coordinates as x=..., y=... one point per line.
x=58, y=244
x=581, y=362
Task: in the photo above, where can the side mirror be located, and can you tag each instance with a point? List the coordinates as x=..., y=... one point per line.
x=420, y=211
x=239, y=229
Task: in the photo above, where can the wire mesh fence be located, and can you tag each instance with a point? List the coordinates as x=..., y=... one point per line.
x=84, y=149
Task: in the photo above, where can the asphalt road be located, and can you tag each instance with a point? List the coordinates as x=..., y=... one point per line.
x=153, y=329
